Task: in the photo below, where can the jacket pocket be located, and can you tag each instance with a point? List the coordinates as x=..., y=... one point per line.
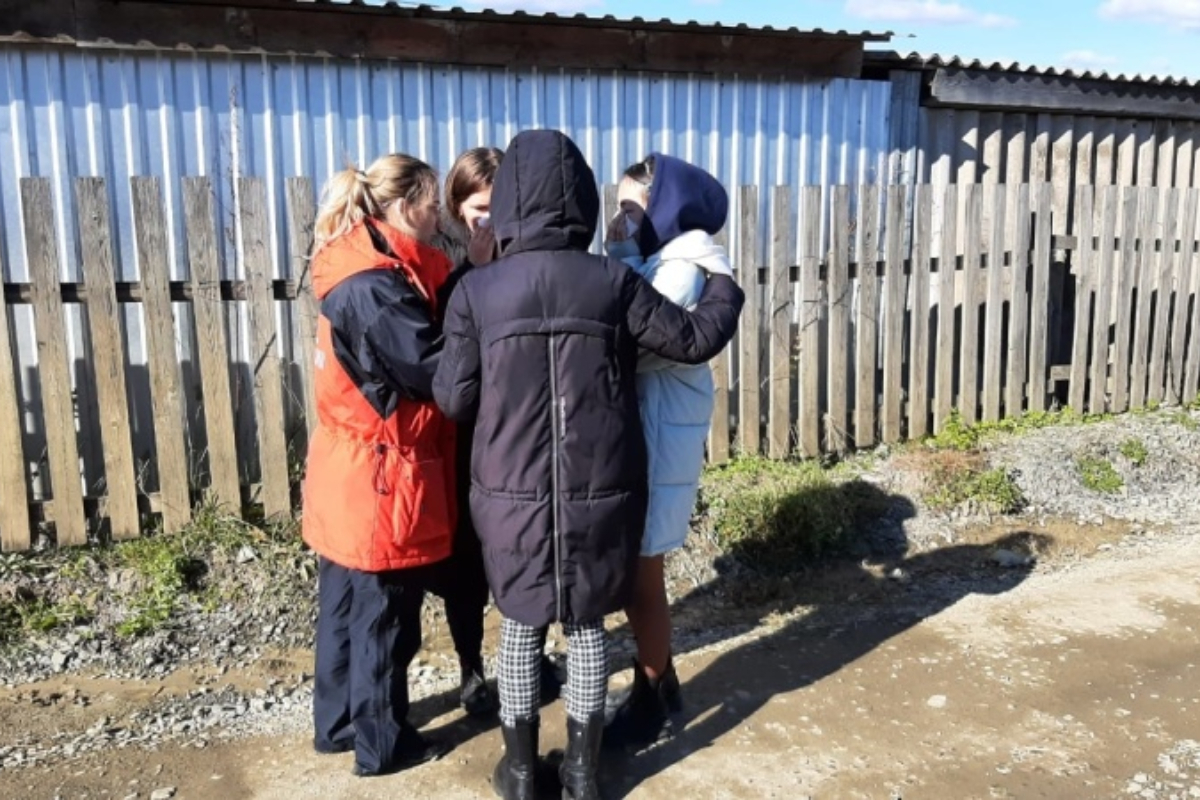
x=416, y=502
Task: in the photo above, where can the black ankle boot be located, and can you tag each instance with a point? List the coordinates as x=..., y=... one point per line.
x=581, y=763
x=514, y=776
x=475, y=696
x=641, y=718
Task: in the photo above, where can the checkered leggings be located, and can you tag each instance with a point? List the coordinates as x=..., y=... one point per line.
x=519, y=672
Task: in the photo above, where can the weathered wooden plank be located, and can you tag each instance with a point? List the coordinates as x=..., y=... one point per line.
x=1018, y=307
x=1147, y=234
x=1040, y=299
x=1147, y=149
x=108, y=349
x=840, y=303
x=1127, y=151
x=1164, y=157
x=968, y=369
x=1103, y=290
x=302, y=213
x=163, y=360
x=947, y=266
x=15, y=531
x=749, y=329
x=268, y=378
x=782, y=296
x=1126, y=280
x=1062, y=151
x=1191, y=369
x=811, y=306
x=1184, y=279
x=918, y=359
x=718, y=430
x=866, y=333
x=220, y=427
x=1168, y=225
x=57, y=395
x=993, y=342
x=1085, y=268
x=1105, y=160
x=895, y=292
x=1085, y=150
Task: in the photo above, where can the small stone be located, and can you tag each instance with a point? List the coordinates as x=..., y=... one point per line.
x=899, y=575
x=166, y=793
x=59, y=660
x=245, y=555
x=937, y=701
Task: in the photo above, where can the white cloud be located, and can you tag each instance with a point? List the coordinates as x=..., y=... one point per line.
x=925, y=12
x=1087, y=60
x=1185, y=13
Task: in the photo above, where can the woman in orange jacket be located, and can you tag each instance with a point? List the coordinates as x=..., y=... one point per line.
x=379, y=504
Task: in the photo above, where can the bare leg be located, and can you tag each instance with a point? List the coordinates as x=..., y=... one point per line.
x=650, y=617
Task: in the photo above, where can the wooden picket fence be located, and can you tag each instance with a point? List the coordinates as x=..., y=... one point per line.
x=880, y=312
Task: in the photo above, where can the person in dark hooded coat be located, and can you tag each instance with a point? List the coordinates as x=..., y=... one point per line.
x=542, y=349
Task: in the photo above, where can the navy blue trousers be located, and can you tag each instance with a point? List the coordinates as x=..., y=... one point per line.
x=368, y=631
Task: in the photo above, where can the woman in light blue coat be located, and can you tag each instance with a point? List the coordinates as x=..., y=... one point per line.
x=670, y=211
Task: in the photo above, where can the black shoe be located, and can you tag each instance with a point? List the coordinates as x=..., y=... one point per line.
x=581, y=763
x=553, y=678
x=515, y=776
x=476, y=697
x=642, y=718
x=672, y=693
x=412, y=751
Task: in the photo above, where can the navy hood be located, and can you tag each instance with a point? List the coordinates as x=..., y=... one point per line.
x=544, y=195
x=683, y=198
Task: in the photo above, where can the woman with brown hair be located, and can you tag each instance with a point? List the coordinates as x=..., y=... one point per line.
x=379, y=505
x=466, y=236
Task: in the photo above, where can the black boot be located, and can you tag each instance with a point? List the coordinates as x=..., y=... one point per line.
x=582, y=760
x=514, y=776
x=475, y=696
x=671, y=692
x=641, y=718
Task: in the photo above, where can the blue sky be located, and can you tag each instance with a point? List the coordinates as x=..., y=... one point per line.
x=1150, y=37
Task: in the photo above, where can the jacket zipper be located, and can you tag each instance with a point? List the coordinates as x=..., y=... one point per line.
x=557, y=428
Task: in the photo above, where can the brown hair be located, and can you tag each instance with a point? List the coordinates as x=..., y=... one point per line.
x=354, y=194
x=642, y=172
x=472, y=172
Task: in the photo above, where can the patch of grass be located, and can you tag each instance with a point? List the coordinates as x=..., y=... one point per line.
x=1184, y=419
x=776, y=516
x=1135, y=450
x=958, y=435
x=958, y=478
x=1098, y=475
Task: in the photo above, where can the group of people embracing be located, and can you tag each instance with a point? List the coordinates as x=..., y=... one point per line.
x=499, y=409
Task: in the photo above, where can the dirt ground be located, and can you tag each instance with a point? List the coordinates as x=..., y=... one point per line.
x=943, y=675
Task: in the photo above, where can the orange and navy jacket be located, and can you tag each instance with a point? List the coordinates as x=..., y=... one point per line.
x=379, y=488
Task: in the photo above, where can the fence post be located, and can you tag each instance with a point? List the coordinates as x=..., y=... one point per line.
x=70, y=522
x=165, y=393
x=919, y=374
x=780, y=299
x=213, y=348
x=866, y=332
x=840, y=303
x=104, y=315
x=809, y=358
x=750, y=413
x=268, y=378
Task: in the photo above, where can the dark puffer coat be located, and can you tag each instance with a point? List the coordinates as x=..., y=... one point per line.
x=543, y=346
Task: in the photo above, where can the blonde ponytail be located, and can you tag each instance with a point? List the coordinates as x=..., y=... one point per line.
x=353, y=194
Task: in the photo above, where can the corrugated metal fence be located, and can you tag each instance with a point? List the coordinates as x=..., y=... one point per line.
x=67, y=112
